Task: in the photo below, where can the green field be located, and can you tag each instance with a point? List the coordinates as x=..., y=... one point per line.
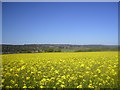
x=60, y=70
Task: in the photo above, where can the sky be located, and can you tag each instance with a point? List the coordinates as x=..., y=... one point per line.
x=80, y=23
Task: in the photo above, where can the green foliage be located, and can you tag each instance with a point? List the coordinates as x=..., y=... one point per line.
x=57, y=50
x=48, y=50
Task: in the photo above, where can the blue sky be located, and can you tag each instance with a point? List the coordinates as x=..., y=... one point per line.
x=60, y=23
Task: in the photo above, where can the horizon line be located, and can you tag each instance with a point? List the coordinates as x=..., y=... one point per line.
x=55, y=44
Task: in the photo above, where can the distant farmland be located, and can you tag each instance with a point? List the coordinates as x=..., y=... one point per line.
x=40, y=48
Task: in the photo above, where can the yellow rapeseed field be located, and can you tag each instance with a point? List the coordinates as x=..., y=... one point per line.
x=60, y=70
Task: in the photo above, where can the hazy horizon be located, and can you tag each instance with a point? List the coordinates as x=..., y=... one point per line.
x=56, y=44
x=77, y=23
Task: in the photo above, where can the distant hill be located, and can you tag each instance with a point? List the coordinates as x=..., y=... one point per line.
x=39, y=48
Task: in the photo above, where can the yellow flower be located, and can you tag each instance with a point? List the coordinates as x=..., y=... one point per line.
x=100, y=83
x=90, y=86
x=27, y=78
x=7, y=86
x=82, y=65
x=62, y=86
x=24, y=86
x=30, y=87
x=41, y=86
x=16, y=75
x=80, y=86
x=80, y=76
x=54, y=87
x=18, y=69
x=95, y=76
x=3, y=80
x=87, y=72
x=16, y=85
x=63, y=77
x=13, y=82
x=56, y=71
x=108, y=77
x=23, y=67
x=11, y=69
x=98, y=70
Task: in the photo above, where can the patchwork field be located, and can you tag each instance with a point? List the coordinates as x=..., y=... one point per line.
x=60, y=70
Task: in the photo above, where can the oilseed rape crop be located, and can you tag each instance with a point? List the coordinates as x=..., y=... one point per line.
x=60, y=70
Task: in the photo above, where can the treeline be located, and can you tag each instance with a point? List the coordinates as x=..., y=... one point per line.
x=6, y=49
x=32, y=51
x=41, y=48
x=96, y=49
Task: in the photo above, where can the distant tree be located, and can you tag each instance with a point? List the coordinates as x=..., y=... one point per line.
x=29, y=51
x=57, y=50
x=50, y=50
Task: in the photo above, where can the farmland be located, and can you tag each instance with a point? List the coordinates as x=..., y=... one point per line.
x=60, y=70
